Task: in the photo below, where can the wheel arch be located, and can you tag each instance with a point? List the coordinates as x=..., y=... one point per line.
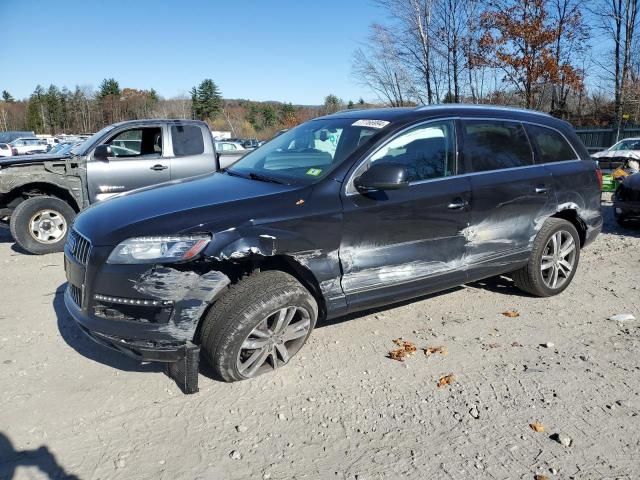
x=572, y=216
x=35, y=189
x=236, y=271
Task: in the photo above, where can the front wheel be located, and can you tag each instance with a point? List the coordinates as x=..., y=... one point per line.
x=553, y=260
x=40, y=224
x=258, y=325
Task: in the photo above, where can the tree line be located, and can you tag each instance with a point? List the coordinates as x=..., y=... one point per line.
x=55, y=110
x=577, y=59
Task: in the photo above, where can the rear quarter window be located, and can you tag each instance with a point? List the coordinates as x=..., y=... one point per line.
x=550, y=145
x=495, y=145
x=187, y=140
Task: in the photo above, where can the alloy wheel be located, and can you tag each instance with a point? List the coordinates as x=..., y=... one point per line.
x=272, y=342
x=558, y=259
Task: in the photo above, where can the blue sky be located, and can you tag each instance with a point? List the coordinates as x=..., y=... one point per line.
x=286, y=50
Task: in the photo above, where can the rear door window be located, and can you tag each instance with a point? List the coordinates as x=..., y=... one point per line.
x=187, y=140
x=495, y=145
x=550, y=146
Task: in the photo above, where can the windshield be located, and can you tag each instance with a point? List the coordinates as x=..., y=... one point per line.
x=82, y=148
x=633, y=144
x=308, y=152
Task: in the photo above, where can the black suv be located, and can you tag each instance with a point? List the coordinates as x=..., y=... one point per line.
x=345, y=212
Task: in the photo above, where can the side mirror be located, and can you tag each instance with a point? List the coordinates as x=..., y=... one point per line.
x=382, y=176
x=102, y=153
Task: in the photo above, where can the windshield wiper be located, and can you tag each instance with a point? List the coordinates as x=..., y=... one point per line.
x=265, y=178
x=255, y=176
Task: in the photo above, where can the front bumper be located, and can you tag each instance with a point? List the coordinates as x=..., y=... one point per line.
x=149, y=312
x=626, y=209
x=143, y=350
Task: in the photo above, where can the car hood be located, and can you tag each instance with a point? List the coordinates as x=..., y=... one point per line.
x=618, y=153
x=203, y=204
x=29, y=159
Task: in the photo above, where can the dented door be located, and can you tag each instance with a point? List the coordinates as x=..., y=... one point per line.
x=401, y=243
x=511, y=196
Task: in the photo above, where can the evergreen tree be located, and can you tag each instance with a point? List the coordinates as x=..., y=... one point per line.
x=206, y=100
x=6, y=96
x=269, y=115
x=350, y=105
x=35, y=110
x=109, y=86
x=332, y=104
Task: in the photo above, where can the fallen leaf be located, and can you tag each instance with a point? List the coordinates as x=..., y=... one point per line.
x=487, y=346
x=442, y=350
x=516, y=344
x=398, y=354
x=446, y=380
x=406, y=348
x=541, y=477
x=537, y=427
x=511, y=313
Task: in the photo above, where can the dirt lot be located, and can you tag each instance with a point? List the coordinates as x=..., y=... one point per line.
x=341, y=409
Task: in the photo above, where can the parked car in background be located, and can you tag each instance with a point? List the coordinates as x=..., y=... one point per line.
x=5, y=150
x=251, y=143
x=28, y=146
x=626, y=200
x=616, y=155
x=62, y=148
x=224, y=146
x=41, y=194
x=343, y=213
x=10, y=136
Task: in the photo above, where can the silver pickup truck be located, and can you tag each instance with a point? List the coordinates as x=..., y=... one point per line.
x=41, y=194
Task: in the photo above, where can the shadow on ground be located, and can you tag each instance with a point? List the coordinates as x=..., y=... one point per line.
x=76, y=339
x=40, y=458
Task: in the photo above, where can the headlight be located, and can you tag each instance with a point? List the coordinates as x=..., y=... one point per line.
x=158, y=249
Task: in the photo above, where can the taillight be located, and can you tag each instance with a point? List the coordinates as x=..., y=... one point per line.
x=599, y=177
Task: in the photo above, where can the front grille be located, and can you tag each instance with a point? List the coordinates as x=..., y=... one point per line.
x=76, y=295
x=78, y=246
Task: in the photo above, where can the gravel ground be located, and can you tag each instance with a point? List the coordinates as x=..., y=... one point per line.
x=341, y=409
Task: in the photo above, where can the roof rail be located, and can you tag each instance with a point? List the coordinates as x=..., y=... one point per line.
x=473, y=106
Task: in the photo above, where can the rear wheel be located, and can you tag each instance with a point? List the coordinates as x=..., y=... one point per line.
x=40, y=224
x=258, y=325
x=553, y=260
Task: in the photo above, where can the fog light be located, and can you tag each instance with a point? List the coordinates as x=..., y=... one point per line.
x=132, y=301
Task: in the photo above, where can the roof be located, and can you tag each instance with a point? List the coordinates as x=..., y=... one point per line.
x=396, y=114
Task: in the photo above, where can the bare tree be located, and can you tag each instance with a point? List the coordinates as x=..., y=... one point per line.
x=618, y=20
x=380, y=68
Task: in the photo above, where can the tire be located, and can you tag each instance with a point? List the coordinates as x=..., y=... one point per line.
x=40, y=224
x=243, y=325
x=531, y=278
x=621, y=218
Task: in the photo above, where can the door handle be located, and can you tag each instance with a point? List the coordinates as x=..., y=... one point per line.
x=457, y=204
x=159, y=167
x=541, y=189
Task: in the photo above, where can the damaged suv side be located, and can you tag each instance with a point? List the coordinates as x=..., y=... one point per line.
x=350, y=211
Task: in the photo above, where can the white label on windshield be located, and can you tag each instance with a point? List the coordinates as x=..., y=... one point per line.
x=370, y=123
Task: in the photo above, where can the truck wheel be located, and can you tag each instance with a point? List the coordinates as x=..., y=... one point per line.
x=40, y=224
x=258, y=325
x=553, y=260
